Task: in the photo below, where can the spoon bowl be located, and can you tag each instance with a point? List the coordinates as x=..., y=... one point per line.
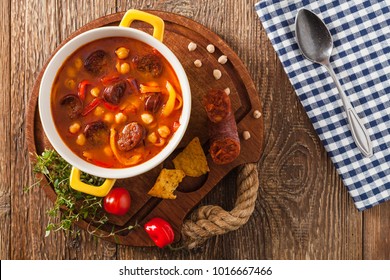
x=313, y=37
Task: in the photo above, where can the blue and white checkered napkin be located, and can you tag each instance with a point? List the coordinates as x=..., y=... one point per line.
x=361, y=59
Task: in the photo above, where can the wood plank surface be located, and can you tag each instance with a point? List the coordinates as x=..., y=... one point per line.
x=5, y=130
x=376, y=238
x=303, y=211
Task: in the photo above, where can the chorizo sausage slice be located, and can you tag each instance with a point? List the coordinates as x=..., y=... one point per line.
x=149, y=63
x=97, y=62
x=73, y=105
x=153, y=102
x=130, y=136
x=114, y=92
x=97, y=133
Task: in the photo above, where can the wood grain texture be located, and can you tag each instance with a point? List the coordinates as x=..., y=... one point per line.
x=303, y=210
x=5, y=128
x=376, y=238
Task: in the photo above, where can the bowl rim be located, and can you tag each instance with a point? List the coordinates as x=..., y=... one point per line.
x=44, y=101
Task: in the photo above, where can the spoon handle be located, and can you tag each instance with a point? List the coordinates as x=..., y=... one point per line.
x=358, y=131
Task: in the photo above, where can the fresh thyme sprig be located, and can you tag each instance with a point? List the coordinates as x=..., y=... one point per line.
x=70, y=205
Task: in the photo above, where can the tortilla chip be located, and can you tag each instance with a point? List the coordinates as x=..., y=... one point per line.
x=167, y=182
x=192, y=159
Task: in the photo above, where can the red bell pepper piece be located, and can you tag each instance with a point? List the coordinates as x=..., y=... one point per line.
x=109, y=106
x=109, y=79
x=92, y=105
x=160, y=231
x=101, y=163
x=82, y=89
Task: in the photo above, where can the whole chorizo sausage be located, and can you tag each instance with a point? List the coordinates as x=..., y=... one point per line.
x=224, y=140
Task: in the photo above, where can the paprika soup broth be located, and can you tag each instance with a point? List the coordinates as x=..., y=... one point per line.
x=116, y=102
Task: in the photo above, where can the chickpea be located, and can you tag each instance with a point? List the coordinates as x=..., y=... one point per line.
x=95, y=92
x=246, y=135
x=192, y=46
x=122, y=53
x=210, y=48
x=198, y=63
x=124, y=68
x=120, y=118
x=74, y=128
x=87, y=155
x=147, y=118
x=256, y=114
x=70, y=83
x=164, y=131
x=78, y=63
x=217, y=74
x=81, y=139
x=107, y=150
x=99, y=111
x=108, y=117
x=222, y=59
x=152, y=137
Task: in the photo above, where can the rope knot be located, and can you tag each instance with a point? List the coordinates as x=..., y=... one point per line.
x=211, y=220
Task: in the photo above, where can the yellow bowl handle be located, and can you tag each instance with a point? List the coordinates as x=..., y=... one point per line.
x=101, y=191
x=155, y=21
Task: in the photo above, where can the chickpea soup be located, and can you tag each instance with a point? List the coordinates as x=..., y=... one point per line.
x=116, y=102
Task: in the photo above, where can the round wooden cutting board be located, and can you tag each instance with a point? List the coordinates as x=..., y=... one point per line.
x=179, y=32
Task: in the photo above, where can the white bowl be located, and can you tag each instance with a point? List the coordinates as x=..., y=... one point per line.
x=45, y=108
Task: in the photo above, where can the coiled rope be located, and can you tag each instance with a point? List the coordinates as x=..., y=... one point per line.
x=211, y=220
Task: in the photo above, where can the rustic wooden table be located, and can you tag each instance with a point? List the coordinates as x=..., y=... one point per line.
x=303, y=211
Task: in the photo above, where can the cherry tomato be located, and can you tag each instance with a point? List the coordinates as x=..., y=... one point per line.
x=160, y=231
x=117, y=201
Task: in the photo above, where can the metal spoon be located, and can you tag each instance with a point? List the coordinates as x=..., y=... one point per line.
x=315, y=43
